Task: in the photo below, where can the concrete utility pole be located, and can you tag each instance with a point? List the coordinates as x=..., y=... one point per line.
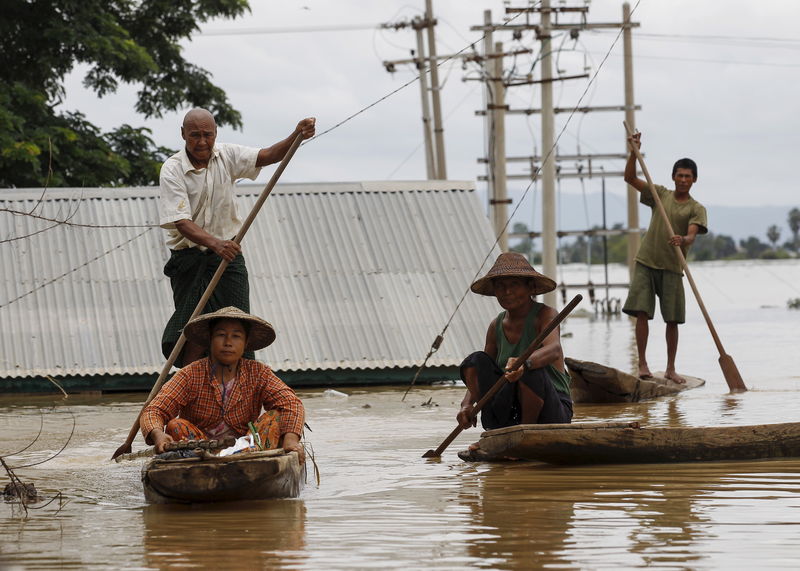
x=422, y=66
x=634, y=237
x=434, y=144
x=549, y=261
x=438, y=129
x=495, y=133
x=499, y=198
x=545, y=170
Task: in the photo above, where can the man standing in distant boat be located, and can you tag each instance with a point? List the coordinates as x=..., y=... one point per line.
x=658, y=271
x=539, y=391
x=197, y=208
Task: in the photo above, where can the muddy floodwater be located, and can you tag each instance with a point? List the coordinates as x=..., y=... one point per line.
x=378, y=504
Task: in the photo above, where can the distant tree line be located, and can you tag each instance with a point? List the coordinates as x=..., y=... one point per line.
x=709, y=246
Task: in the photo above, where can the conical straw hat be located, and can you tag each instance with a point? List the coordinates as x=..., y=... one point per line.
x=260, y=335
x=513, y=264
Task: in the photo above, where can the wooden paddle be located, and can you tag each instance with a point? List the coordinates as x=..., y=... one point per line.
x=502, y=380
x=126, y=447
x=729, y=370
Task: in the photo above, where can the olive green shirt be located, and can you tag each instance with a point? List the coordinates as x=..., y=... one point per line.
x=655, y=250
x=506, y=349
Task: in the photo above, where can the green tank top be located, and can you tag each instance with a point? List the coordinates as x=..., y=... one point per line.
x=506, y=349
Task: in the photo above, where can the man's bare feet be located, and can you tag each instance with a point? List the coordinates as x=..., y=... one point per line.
x=644, y=371
x=674, y=377
x=474, y=446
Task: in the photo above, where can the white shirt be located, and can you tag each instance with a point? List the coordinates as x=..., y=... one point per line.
x=204, y=195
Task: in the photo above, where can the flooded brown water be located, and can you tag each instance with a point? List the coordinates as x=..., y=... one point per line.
x=380, y=505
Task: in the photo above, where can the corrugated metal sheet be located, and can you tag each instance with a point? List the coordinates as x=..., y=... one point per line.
x=352, y=275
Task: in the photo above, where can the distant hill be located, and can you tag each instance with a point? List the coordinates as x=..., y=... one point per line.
x=737, y=222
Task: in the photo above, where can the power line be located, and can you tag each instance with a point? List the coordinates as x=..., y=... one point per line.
x=288, y=30
x=75, y=269
x=713, y=61
x=704, y=38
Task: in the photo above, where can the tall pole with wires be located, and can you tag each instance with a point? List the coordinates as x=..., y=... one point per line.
x=499, y=200
x=549, y=262
x=633, y=196
x=422, y=66
x=489, y=85
x=438, y=129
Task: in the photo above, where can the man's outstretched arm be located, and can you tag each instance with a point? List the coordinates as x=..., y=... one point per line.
x=275, y=153
x=630, y=166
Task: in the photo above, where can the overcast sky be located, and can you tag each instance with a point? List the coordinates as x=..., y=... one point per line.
x=716, y=79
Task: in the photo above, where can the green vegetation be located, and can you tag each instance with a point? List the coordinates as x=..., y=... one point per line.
x=706, y=247
x=41, y=41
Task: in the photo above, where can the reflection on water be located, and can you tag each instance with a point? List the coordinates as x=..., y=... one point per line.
x=679, y=516
x=257, y=535
x=380, y=505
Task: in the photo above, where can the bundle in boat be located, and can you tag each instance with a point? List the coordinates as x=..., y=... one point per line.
x=179, y=446
x=596, y=383
x=630, y=443
x=257, y=475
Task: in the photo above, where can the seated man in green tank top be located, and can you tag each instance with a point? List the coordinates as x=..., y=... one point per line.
x=537, y=393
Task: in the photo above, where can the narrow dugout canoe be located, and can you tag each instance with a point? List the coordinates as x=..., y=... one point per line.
x=595, y=383
x=245, y=476
x=618, y=443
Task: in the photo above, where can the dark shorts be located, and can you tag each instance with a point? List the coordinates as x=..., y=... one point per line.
x=190, y=271
x=647, y=283
x=504, y=409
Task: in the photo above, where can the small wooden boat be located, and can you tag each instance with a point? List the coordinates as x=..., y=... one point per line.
x=258, y=475
x=629, y=443
x=595, y=383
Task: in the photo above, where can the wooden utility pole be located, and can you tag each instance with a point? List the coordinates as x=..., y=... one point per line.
x=634, y=238
x=549, y=261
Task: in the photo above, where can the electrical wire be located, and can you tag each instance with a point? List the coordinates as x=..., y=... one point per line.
x=674, y=58
x=741, y=41
x=75, y=269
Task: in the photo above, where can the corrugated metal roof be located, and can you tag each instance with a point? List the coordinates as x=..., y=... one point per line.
x=352, y=276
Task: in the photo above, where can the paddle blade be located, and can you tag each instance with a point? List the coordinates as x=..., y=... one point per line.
x=431, y=454
x=124, y=449
x=732, y=376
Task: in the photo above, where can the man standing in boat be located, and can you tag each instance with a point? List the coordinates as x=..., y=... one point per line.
x=658, y=271
x=538, y=392
x=198, y=210
x=222, y=394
